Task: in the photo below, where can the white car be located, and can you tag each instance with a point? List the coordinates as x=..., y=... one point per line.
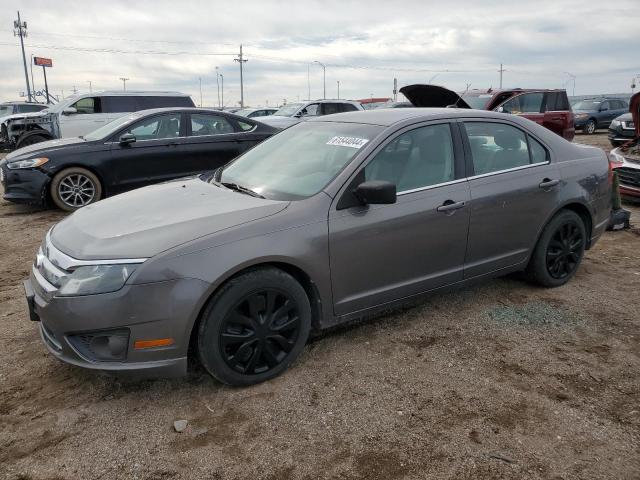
x=293, y=113
x=81, y=114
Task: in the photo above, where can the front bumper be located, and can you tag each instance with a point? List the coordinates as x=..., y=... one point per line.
x=24, y=185
x=620, y=135
x=150, y=311
x=580, y=122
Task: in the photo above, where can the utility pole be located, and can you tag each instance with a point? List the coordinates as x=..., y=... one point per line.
x=222, y=90
x=20, y=30
x=33, y=84
x=218, y=85
x=124, y=83
x=200, y=80
x=241, y=61
x=90, y=86
x=395, y=89
x=338, y=89
x=308, y=82
x=324, y=79
x=501, y=71
x=75, y=90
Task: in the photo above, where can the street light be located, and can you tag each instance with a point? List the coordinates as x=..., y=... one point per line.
x=573, y=79
x=124, y=83
x=218, y=85
x=432, y=79
x=338, y=89
x=324, y=79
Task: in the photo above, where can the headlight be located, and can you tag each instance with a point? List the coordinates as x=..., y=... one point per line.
x=615, y=157
x=93, y=279
x=582, y=115
x=29, y=163
x=615, y=123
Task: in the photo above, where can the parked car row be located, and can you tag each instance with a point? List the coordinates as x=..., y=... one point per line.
x=134, y=150
x=334, y=218
x=626, y=157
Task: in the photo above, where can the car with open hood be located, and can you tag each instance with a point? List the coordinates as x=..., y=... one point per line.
x=80, y=114
x=626, y=158
x=330, y=220
x=547, y=107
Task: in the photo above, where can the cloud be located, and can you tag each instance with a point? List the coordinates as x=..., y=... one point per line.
x=162, y=45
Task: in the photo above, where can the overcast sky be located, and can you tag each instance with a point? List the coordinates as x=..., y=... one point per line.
x=169, y=45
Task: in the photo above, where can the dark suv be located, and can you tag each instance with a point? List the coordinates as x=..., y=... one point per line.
x=549, y=108
x=593, y=113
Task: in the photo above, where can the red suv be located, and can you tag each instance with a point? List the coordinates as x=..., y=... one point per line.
x=549, y=108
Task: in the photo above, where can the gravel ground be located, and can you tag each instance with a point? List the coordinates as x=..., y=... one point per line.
x=500, y=381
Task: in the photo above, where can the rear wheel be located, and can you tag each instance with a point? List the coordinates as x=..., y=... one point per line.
x=74, y=188
x=559, y=250
x=590, y=127
x=254, y=327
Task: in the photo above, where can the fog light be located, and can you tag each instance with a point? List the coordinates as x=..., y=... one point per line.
x=105, y=346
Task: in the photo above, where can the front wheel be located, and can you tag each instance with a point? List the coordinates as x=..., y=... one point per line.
x=559, y=250
x=254, y=327
x=590, y=127
x=74, y=188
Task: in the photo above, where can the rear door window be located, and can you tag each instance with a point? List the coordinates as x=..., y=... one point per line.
x=145, y=102
x=205, y=124
x=119, y=104
x=496, y=147
x=525, y=103
x=30, y=108
x=347, y=107
x=329, y=108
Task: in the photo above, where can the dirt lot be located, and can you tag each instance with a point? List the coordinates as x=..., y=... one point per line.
x=502, y=381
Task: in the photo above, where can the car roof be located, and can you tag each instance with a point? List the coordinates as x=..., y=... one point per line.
x=389, y=116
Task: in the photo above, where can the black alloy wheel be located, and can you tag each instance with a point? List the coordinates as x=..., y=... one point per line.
x=254, y=326
x=74, y=188
x=565, y=250
x=260, y=332
x=559, y=251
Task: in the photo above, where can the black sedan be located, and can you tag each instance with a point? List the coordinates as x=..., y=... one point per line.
x=137, y=149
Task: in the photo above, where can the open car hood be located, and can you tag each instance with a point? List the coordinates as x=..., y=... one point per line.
x=634, y=108
x=432, y=96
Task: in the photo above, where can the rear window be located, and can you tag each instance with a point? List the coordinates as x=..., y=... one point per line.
x=347, y=107
x=148, y=101
x=30, y=108
x=557, y=101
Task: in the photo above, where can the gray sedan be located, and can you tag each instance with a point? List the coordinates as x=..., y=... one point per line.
x=329, y=220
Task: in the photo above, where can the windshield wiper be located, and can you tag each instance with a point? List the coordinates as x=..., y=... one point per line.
x=241, y=189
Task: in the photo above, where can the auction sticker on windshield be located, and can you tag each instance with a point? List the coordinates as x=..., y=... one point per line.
x=353, y=142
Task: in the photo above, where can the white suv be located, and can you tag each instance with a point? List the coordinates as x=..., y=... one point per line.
x=81, y=114
x=293, y=113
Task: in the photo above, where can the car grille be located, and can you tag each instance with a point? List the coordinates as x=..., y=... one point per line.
x=629, y=177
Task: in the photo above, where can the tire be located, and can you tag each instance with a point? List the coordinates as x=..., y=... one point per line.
x=237, y=343
x=31, y=140
x=559, y=250
x=74, y=188
x=590, y=127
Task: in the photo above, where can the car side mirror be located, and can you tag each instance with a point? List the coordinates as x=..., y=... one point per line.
x=127, y=139
x=69, y=111
x=376, y=192
x=500, y=109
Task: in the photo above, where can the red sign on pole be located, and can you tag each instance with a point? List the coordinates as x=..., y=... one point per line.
x=42, y=62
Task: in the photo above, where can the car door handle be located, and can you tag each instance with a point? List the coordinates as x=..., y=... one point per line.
x=548, y=183
x=450, y=206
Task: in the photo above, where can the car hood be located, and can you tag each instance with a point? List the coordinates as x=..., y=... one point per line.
x=432, y=96
x=147, y=221
x=634, y=108
x=279, y=121
x=43, y=147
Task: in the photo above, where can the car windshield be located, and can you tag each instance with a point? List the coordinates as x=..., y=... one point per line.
x=6, y=110
x=244, y=112
x=111, y=127
x=299, y=161
x=289, y=110
x=478, y=102
x=587, y=105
